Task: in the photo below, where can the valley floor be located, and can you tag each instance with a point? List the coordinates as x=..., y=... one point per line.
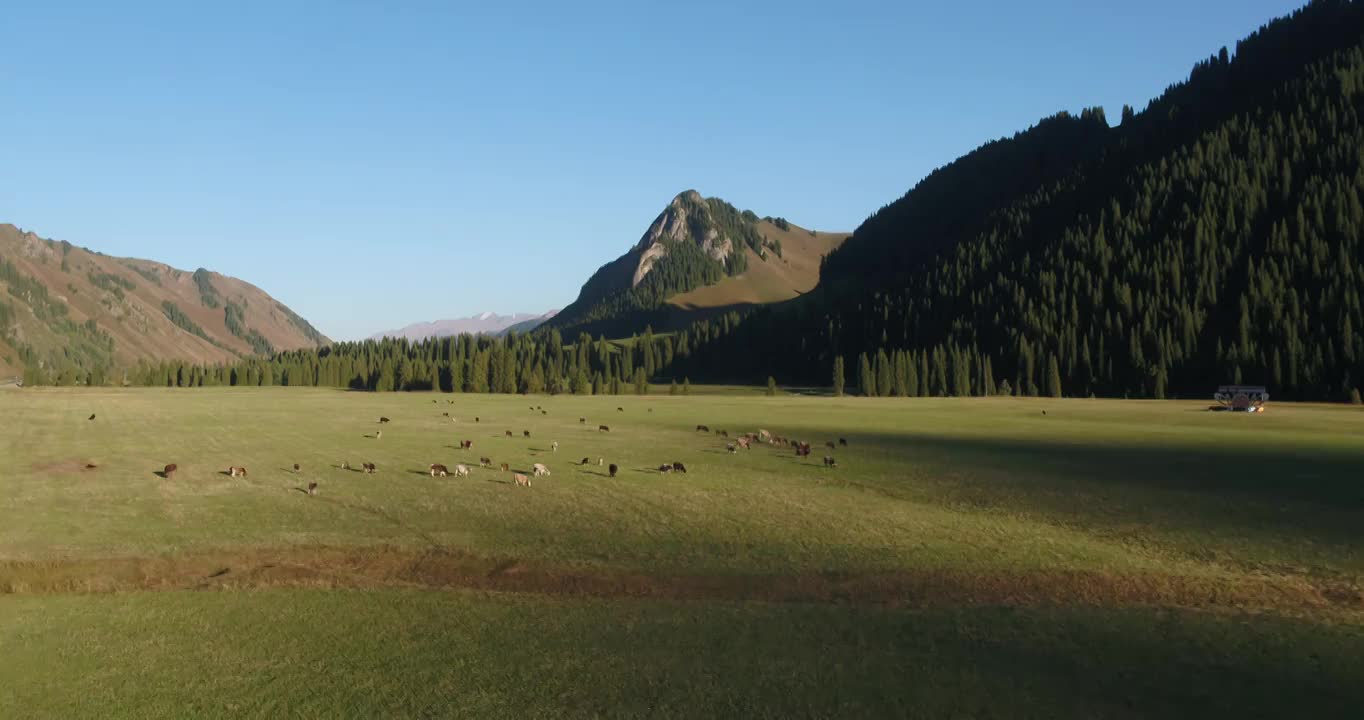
x=967, y=557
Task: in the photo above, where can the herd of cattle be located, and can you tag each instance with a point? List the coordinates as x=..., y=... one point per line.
x=744, y=441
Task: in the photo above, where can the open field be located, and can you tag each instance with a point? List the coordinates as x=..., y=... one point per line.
x=968, y=556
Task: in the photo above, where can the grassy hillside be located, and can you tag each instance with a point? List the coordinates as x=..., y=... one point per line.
x=769, y=279
x=969, y=557
x=69, y=310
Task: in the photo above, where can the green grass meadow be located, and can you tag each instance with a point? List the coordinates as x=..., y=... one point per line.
x=990, y=557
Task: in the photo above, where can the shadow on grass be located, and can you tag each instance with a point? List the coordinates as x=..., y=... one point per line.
x=1235, y=491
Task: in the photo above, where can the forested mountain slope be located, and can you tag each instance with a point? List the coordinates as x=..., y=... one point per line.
x=1213, y=237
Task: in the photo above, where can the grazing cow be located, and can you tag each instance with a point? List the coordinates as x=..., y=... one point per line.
x=702, y=428
x=475, y=418
x=296, y=468
x=370, y=468
x=679, y=467
x=830, y=462
x=603, y=428
x=378, y=434
x=539, y=469
x=505, y=467
x=169, y=471
x=532, y=409
x=843, y=442
x=544, y=412
x=724, y=433
x=525, y=433
x=312, y=488
x=764, y=435
x=830, y=444
x=613, y=469
x=92, y=416
x=732, y=448
x=586, y=461
x=461, y=471
x=485, y=461
x=345, y=465
x=439, y=470
x=554, y=446
x=1044, y=412
x=582, y=420
x=383, y=419
x=466, y=444
x=521, y=479
x=236, y=471
x=509, y=433
x=433, y=402
x=445, y=414
x=745, y=443
x=537, y=407
x=665, y=468
x=620, y=409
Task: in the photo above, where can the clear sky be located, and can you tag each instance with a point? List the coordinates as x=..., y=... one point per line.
x=373, y=164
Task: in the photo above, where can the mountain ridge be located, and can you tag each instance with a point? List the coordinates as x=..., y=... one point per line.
x=77, y=313
x=487, y=322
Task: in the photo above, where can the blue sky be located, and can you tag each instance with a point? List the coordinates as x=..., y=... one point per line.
x=372, y=167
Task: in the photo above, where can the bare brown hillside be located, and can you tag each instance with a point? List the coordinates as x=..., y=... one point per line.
x=66, y=306
x=773, y=279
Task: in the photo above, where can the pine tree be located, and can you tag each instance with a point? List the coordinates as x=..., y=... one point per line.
x=838, y=376
x=1053, y=377
x=771, y=386
x=686, y=386
x=866, y=382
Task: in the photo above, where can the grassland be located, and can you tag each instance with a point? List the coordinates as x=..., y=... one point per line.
x=968, y=557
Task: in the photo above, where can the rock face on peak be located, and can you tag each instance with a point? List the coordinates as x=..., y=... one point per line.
x=697, y=243
x=687, y=219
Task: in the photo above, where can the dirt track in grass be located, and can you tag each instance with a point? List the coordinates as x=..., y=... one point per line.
x=384, y=566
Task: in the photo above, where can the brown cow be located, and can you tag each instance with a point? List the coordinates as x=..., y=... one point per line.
x=582, y=420
x=466, y=444
x=665, y=468
x=620, y=409
x=586, y=461
x=296, y=468
x=613, y=469
x=843, y=442
x=679, y=467
x=169, y=470
x=439, y=470
x=505, y=467
x=703, y=428
x=312, y=488
x=521, y=479
x=236, y=471
x=370, y=468
x=383, y=419
x=830, y=444
x=829, y=461
x=509, y=433
x=485, y=461
x=525, y=433
x=603, y=428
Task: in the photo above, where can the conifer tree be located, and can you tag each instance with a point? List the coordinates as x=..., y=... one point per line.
x=838, y=376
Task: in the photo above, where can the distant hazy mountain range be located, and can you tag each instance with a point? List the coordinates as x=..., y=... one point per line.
x=487, y=323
